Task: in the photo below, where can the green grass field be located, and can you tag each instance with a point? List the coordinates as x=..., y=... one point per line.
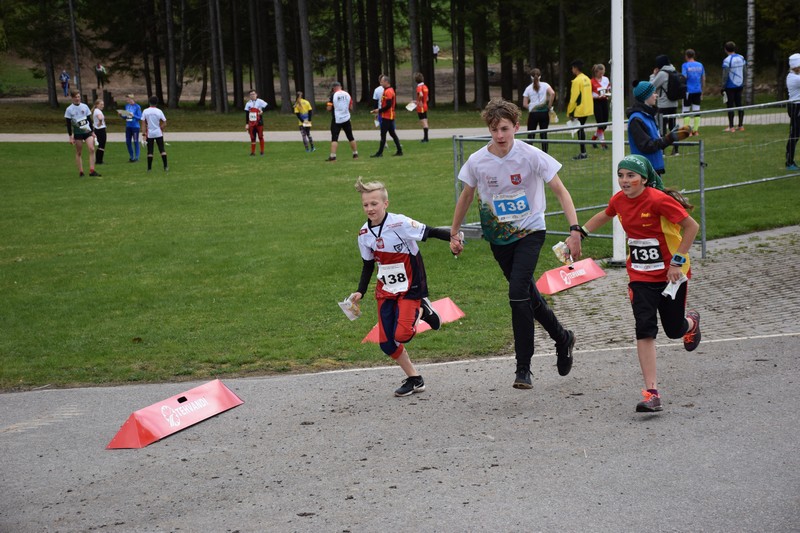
x=231, y=265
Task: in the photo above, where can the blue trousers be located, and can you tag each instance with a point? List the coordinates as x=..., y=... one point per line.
x=132, y=141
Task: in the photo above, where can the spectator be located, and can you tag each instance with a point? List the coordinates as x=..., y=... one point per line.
x=102, y=75
x=154, y=121
x=99, y=121
x=340, y=104
x=304, y=113
x=422, y=104
x=643, y=134
x=793, y=86
x=510, y=177
x=580, y=102
x=660, y=80
x=733, y=83
x=254, y=121
x=387, y=113
x=64, y=78
x=132, y=114
x=436, y=50
x=377, y=95
x=695, y=84
x=538, y=100
x=601, y=90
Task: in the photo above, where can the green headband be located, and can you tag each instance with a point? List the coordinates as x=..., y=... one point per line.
x=641, y=165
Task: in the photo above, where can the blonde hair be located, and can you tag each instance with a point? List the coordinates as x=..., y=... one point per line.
x=598, y=68
x=371, y=186
x=96, y=103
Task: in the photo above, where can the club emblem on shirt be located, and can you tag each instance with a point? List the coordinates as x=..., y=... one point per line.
x=516, y=179
x=379, y=243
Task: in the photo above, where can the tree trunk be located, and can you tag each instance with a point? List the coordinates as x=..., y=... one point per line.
x=373, y=42
x=238, y=81
x=283, y=64
x=481, y=61
x=366, y=90
x=751, y=52
x=305, y=41
x=413, y=24
x=462, y=53
x=223, y=78
x=172, y=84
x=391, y=58
x=339, y=32
x=426, y=52
x=216, y=91
x=255, y=44
x=351, y=50
x=506, y=62
x=454, y=46
x=562, y=58
x=631, y=64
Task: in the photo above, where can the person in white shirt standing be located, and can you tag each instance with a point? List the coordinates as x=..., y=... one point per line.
x=538, y=99
x=80, y=130
x=99, y=120
x=793, y=86
x=340, y=103
x=153, y=124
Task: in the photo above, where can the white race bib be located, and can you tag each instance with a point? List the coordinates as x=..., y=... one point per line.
x=393, y=277
x=645, y=255
x=253, y=117
x=509, y=207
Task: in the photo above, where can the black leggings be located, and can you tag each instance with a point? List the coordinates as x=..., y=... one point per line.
x=100, y=149
x=794, y=132
x=540, y=119
x=735, y=100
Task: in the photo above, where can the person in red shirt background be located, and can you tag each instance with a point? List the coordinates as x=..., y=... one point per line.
x=422, y=104
x=387, y=114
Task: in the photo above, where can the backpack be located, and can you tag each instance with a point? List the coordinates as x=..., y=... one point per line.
x=676, y=86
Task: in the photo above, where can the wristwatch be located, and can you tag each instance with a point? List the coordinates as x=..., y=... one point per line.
x=579, y=229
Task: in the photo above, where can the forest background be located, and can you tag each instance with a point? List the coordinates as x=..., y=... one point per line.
x=221, y=48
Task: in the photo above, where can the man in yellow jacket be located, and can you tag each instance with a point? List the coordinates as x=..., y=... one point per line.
x=580, y=105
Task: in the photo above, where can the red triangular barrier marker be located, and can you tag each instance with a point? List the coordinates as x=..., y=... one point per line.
x=566, y=277
x=447, y=309
x=169, y=416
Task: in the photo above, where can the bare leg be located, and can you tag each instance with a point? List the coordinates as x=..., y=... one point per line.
x=405, y=363
x=646, y=349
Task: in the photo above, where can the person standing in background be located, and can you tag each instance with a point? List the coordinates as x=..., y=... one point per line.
x=99, y=120
x=436, y=50
x=304, y=113
x=78, y=117
x=580, y=105
x=154, y=121
x=254, y=121
x=133, y=114
x=538, y=100
x=422, y=104
x=387, y=114
x=601, y=90
x=64, y=79
x=793, y=86
x=695, y=76
x=340, y=105
x=660, y=80
x=733, y=83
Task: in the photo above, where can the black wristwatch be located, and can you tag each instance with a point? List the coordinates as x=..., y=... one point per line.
x=579, y=229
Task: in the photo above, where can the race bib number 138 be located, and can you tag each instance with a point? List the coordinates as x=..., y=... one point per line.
x=645, y=255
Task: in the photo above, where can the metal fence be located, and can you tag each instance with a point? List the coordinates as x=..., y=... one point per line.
x=590, y=180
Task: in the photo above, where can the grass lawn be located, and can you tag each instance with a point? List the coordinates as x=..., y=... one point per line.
x=231, y=265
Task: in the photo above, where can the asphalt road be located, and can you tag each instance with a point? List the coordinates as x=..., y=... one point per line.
x=337, y=452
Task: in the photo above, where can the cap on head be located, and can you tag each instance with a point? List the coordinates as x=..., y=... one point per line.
x=794, y=61
x=642, y=90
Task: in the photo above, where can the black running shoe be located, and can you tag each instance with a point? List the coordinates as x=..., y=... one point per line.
x=650, y=404
x=398, y=153
x=692, y=338
x=377, y=155
x=523, y=379
x=564, y=354
x=430, y=315
x=95, y=174
x=411, y=385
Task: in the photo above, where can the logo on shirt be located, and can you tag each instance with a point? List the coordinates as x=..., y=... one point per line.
x=516, y=179
x=491, y=181
x=645, y=215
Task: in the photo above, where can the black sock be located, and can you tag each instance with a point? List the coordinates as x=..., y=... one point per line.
x=164, y=159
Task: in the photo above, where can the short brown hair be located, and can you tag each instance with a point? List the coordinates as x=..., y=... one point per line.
x=497, y=109
x=419, y=78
